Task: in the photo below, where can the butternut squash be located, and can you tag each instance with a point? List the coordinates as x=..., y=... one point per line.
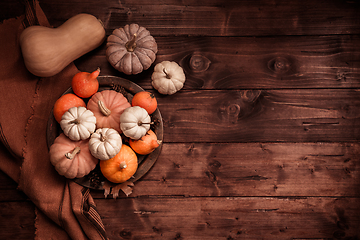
x=47, y=51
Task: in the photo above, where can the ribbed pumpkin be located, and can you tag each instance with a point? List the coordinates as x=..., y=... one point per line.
x=72, y=159
x=105, y=143
x=121, y=167
x=107, y=107
x=168, y=77
x=131, y=49
x=78, y=123
x=135, y=122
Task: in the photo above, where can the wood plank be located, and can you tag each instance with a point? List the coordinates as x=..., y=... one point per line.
x=253, y=169
x=231, y=218
x=218, y=18
x=251, y=63
x=208, y=218
x=303, y=115
x=250, y=169
x=17, y=220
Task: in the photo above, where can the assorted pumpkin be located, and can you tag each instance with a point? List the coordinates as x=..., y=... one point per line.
x=135, y=122
x=168, y=77
x=72, y=159
x=131, y=49
x=146, y=144
x=104, y=143
x=78, y=123
x=121, y=167
x=95, y=128
x=107, y=107
x=94, y=123
x=85, y=84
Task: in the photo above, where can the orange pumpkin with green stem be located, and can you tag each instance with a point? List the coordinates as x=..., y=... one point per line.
x=85, y=84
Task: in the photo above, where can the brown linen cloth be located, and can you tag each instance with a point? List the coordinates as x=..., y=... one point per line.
x=64, y=209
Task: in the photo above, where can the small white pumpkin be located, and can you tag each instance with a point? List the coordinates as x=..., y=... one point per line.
x=135, y=122
x=105, y=143
x=168, y=77
x=78, y=123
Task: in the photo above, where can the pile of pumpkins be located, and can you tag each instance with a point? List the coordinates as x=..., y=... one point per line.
x=91, y=132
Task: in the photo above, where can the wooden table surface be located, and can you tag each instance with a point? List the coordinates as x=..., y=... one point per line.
x=263, y=140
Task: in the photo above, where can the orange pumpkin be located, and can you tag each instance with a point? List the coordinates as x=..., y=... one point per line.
x=85, y=84
x=145, y=100
x=145, y=145
x=121, y=167
x=107, y=107
x=64, y=103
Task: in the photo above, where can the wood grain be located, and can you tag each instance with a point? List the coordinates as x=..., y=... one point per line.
x=253, y=169
x=263, y=140
x=231, y=218
x=218, y=18
x=251, y=63
x=209, y=218
x=303, y=115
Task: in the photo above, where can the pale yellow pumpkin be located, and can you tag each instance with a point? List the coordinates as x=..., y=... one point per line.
x=47, y=51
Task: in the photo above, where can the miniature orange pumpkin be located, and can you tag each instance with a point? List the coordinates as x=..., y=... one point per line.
x=145, y=145
x=145, y=100
x=85, y=84
x=64, y=103
x=107, y=107
x=121, y=167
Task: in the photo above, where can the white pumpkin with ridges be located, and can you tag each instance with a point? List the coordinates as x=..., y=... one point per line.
x=105, y=143
x=78, y=123
x=135, y=122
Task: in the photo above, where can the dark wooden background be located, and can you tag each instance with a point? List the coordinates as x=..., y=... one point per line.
x=263, y=140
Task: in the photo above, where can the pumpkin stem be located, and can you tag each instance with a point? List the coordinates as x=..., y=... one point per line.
x=142, y=123
x=71, y=155
x=95, y=74
x=131, y=45
x=75, y=121
x=123, y=165
x=102, y=137
x=168, y=76
x=103, y=109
